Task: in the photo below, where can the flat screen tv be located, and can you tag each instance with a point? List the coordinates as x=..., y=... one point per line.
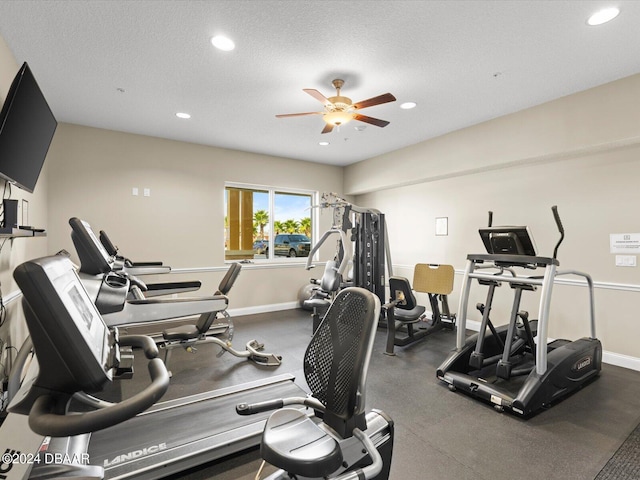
x=27, y=126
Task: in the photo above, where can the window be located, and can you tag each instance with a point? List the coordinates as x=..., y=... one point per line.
x=267, y=223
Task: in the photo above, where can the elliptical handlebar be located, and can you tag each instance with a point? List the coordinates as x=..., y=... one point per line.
x=44, y=421
x=556, y=216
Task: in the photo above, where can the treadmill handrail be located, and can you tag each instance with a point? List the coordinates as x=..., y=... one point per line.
x=150, y=301
x=44, y=422
x=145, y=310
x=147, y=270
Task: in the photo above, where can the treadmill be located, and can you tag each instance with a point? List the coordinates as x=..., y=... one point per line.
x=118, y=294
x=77, y=355
x=124, y=305
x=514, y=367
x=147, y=268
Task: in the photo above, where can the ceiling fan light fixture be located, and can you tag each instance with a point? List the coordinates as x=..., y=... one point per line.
x=223, y=43
x=337, y=118
x=603, y=16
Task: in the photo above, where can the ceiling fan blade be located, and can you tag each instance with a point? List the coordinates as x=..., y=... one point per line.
x=282, y=115
x=384, y=98
x=327, y=128
x=373, y=121
x=317, y=95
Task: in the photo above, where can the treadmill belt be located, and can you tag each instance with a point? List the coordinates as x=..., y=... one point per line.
x=183, y=433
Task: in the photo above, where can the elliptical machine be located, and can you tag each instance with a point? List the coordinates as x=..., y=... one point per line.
x=505, y=367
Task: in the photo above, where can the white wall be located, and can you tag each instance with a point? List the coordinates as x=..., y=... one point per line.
x=92, y=173
x=581, y=153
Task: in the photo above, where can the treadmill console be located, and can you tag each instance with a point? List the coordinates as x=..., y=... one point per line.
x=108, y=244
x=508, y=241
x=70, y=338
x=94, y=258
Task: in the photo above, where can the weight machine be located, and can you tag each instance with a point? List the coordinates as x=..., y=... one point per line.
x=363, y=242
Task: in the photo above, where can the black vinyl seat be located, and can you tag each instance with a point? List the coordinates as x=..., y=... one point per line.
x=407, y=311
x=403, y=311
x=322, y=295
x=206, y=331
x=201, y=327
x=335, y=368
x=319, y=455
x=184, y=332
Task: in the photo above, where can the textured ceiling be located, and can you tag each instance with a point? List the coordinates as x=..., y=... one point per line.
x=131, y=65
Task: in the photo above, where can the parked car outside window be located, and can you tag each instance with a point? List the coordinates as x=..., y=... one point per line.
x=260, y=247
x=292, y=245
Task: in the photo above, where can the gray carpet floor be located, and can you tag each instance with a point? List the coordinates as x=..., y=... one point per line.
x=440, y=435
x=625, y=463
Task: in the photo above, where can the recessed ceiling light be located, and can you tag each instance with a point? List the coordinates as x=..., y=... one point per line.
x=408, y=105
x=183, y=115
x=223, y=43
x=324, y=144
x=603, y=16
x=360, y=128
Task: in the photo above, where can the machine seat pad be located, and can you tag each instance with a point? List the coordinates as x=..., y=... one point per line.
x=408, y=316
x=295, y=443
x=319, y=303
x=184, y=332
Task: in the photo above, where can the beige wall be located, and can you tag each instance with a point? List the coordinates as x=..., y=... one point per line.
x=581, y=153
x=600, y=118
x=15, y=251
x=92, y=173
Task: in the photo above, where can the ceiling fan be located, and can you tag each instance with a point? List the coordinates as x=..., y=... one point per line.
x=339, y=110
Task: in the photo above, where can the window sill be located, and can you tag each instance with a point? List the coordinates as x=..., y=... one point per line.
x=249, y=266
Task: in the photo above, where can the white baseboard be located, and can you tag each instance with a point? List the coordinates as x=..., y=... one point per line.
x=274, y=307
x=620, y=360
x=610, y=358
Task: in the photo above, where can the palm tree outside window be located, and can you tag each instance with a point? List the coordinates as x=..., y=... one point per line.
x=255, y=215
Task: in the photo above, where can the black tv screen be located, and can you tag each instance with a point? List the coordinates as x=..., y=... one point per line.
x=27, y=126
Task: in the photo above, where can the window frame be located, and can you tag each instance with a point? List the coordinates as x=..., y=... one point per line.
x=271, y=192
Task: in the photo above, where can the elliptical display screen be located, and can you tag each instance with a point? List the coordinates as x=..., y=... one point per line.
x=508, y=241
